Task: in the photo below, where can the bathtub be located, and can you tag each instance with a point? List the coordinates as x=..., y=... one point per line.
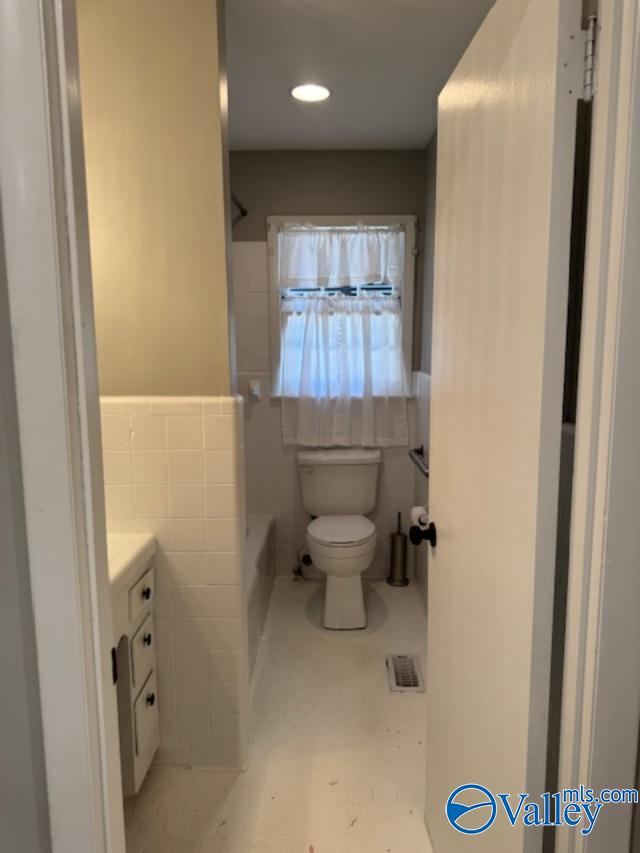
x=260, y=569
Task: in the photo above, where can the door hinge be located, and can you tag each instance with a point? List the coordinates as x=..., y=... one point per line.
x=114, y=665
x=589, y=80
x=589, y=10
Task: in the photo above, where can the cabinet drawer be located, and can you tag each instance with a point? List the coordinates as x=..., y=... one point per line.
x=145, y=713
x=141, y=595
x=143, y=648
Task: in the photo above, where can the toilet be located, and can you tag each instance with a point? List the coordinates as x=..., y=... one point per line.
x=338, y=491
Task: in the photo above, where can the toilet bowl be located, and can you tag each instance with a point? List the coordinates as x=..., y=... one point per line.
x=338, y=491
x=342, y=547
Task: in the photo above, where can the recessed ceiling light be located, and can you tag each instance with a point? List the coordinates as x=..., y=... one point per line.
x=310, y=92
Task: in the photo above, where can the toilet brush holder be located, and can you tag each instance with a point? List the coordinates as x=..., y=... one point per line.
x=398, y=557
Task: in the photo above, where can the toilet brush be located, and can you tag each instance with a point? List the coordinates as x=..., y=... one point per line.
x=398, y=557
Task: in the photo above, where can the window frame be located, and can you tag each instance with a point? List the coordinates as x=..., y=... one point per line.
x=409, y=223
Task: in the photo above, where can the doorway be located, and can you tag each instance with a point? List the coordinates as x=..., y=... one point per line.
x=98, y=838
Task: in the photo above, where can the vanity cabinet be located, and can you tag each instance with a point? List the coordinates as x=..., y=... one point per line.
x=135, y=643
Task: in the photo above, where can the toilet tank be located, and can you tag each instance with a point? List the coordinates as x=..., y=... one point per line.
x=339, y=482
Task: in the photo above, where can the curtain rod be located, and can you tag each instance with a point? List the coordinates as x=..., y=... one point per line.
x=299, y=227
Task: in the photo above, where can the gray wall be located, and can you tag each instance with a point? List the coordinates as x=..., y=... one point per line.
x=24, y=823
x=428, y=248
x=323, y=183
x=272, y=183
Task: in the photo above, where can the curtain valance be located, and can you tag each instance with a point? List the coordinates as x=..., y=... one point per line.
x=335, y=257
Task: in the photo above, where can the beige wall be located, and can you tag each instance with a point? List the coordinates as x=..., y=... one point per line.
x=154, y=155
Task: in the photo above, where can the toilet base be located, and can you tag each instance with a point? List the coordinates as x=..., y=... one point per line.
x=344, y=603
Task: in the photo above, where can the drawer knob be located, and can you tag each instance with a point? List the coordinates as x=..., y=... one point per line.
x=146, y=593
x=151, y=699
x=147, y=639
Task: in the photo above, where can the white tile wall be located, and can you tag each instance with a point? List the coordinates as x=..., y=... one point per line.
x=272, y=486
x=175, y=467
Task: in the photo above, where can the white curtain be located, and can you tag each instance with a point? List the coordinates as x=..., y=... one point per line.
x=342, y=377
x=311, y=256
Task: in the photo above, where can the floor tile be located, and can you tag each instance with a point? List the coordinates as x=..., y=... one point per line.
x=337, y=761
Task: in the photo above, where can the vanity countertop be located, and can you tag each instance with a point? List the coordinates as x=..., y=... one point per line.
x=128, y=553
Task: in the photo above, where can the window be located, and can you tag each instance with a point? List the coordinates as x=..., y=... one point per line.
x=342, y=294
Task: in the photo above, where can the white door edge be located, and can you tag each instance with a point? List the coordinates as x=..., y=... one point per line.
x=49, y=283
x=588, y=739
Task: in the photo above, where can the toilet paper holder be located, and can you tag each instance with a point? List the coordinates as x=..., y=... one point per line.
x=422, y=534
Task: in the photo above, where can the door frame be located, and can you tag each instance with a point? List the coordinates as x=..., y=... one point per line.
x=46, y=236
x=44, y=205
x=601, y=690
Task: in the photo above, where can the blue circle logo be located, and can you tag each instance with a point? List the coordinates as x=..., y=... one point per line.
x=471, y=809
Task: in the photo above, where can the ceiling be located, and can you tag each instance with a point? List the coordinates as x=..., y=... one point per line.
x=385, y=63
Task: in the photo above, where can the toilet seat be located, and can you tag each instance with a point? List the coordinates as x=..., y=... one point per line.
x=341, y=531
